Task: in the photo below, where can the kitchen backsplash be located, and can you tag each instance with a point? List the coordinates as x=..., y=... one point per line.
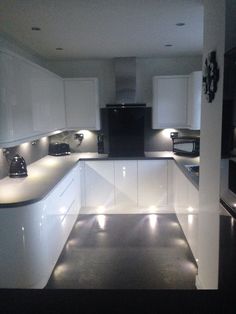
x=155, y=140
x=31, y=151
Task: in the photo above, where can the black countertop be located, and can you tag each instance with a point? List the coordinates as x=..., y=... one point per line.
x=47, y=172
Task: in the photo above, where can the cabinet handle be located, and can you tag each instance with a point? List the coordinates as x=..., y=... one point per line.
x=67, y=187
x=68, y=210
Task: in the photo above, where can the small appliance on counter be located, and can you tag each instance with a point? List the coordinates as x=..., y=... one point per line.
x=59, y=149
x=186, y=145
x=18, y=167
x=100, y=142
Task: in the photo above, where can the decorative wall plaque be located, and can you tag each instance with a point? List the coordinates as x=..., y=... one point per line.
x=210, y=76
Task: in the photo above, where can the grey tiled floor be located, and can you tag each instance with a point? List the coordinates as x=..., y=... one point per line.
x=125, y=252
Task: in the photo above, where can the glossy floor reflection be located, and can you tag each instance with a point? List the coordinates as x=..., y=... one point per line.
x=125, y=252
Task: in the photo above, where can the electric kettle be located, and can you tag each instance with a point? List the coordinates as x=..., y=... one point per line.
x=18, y=167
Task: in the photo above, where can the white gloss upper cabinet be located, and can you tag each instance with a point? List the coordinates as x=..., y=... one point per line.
x=194, y=100
x=99, y=183
x=82, y=104
x=15, y=99
x=152, y=183
x=126, y=190
x=170, y=97
x=31, y=100
x=47, y=101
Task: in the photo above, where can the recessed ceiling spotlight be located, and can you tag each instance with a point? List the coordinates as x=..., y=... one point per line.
x=168, y=45
x=59, y=48
x=180, y=24
x=35, y=28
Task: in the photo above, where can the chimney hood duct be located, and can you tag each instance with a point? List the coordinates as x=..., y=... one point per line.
x=125, y=80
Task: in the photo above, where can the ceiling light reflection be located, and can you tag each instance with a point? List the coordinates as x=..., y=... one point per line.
x=101, y=219
x=101, y=209
x=190, y=219
x=190, y=209
x=60, y=269
x=153, y=221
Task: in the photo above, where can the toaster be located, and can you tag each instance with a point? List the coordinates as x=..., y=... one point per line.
x=59, y=149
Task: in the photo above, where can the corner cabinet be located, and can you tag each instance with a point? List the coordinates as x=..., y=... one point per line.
x=32, y=236
x=170, y=98
x=177, y=101
x=82, y=103
x=126, y=185
x=31, y=100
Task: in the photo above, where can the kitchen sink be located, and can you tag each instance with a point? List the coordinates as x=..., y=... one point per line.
x=193, y=169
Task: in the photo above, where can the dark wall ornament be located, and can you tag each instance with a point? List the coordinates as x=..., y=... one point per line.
x=210, y=76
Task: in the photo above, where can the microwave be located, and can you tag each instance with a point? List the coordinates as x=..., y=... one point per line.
x=186, y=146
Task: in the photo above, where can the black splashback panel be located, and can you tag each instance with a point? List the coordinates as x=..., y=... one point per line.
x=126, y=131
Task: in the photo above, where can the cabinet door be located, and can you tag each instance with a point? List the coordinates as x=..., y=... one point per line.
x=152, y=183
x=41, y=100
x=194, y=100
x=47, y=101
x=16, y=99
x=82, y=107
x=61, y=212
x=186, y=203
x=126, y=183
x=99, y=183
x=31, y=100
x=169, y=102
x=58, y=115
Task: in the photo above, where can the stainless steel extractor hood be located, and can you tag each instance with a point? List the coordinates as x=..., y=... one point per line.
x=125, y=80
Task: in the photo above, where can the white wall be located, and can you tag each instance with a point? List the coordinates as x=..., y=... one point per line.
x=8, y=43
x=210, y=152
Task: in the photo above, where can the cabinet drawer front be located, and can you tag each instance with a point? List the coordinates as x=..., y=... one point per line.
x=63, y=195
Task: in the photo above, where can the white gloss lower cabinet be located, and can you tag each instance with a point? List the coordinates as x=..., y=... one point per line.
x=129, y=184
x=126, y=189
x=32, y=236
x=99, y=183
x=186, y=204
x=152, y=183
x=62, y=208
x=23, y=245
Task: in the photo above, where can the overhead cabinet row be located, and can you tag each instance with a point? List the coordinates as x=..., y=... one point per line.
x=32, y=101
x=35, y=102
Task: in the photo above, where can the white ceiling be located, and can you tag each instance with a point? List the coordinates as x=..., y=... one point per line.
x=105, y=28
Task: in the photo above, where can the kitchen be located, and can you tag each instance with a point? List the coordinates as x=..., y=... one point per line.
x=146, y=68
